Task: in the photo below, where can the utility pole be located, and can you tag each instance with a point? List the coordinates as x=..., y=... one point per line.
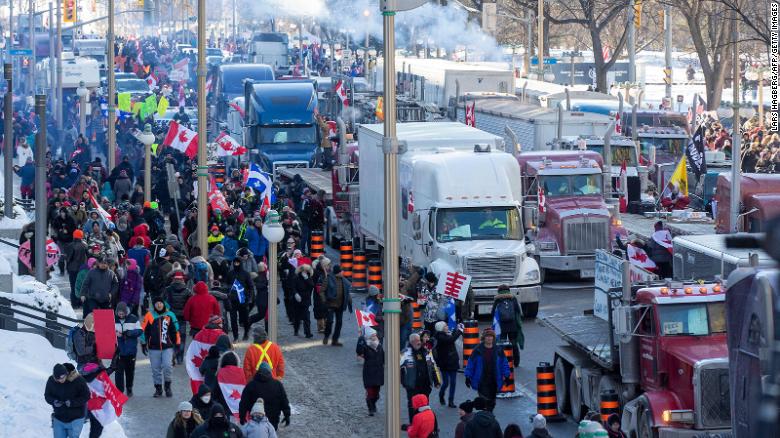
x=31, y=36
x=10, y=44
x=203, y=169
x=631, y=44
x=529, y=33
x=41, y=221
x=668, y=51
x=234, y=26
x=111, y=134
x=736, y=135
x=52, y=70
x=540, y=43
x=58, y=112
x=8, y=143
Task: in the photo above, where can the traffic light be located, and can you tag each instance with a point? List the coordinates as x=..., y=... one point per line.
x=69, y=11
x=140, y=3
x=637, y=13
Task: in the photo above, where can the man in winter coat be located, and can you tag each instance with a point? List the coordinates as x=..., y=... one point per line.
x=507, y=312
x=217, y=426
x=68, y=394
x=263, y=351
x=304, y=289
x=160, y=337
x=156, y=274
x=26, y=172
x=424, y=422
x=242, y=294
x=271, y=391
x=369, y=347
x=128, y=330
x=177, y=295
x=447, y=359
x=484, y=423
x=337, y=299
x=261, y=295
x=75, y=257
x=99, y=288
x=487, y=368
x=258, y=425
x=84, y=342
x=200, y=307
x=418, y=372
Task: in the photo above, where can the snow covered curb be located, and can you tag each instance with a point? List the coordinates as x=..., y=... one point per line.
x=47, y=298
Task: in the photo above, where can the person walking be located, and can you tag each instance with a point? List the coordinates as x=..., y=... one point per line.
x=321, y=273
x=465, y=413
x=418, y=372
x=217, y=426
x=200, y=307
x=507, y=312
x=337, y=299
x=210, y=365
x=160, y=337
x=448, y=360
x=75, y=257
x=263, y=351
x=68, y=393
x=128, y=330
x=99, y=287
x=369, y=348
x=264, y=386
x=487, y=368
x=304, y=288
x=84, y=350
x=261, y=296
x=258, y=425
x=242, y=292
x=185, y=422
x=424, y=423
x=201, y=402
x=483, y=424
x=177, y=295
x=130, y=287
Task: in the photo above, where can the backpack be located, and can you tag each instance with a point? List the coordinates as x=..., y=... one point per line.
x=506, y=311
x=200, y=272
x=70, y=346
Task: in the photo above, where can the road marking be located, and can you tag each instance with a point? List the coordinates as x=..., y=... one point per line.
x=519, y=387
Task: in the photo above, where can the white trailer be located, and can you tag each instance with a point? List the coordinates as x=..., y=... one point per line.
x=74, y=70
x=460, y=198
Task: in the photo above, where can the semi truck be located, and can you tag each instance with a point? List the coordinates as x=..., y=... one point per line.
x=280, y=128
x=272, y=48
x=460, y=207
x=759, y=198
x=230, y=83
x=661, y=348
x=707, y=257
x=565, y=210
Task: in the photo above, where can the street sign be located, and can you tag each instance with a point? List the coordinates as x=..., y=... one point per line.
x=20, y=52
x=547, y=61
x=680, y=98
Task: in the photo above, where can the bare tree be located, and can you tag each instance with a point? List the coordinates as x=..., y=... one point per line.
x=754, y=20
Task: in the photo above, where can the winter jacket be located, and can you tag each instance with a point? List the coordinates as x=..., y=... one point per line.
x=122, y=186
x=446, y=353
x=460, y=429
x=177, y=295
x=200, y=306
x=273, y=394
x=373, y=363
x=80, y=277
x=194, y=262
x=161, y=330
x=209, y=367
x=517, y=324
x=483, y=425
x=255, y=241
x=261, y=428
x=75, y=255
x=198, y=404
x=142, y=231
x=246, y=281
x=474, y=369
x=74, y=390
x=261, y=294
x=304, y=286
x=231, y=247
x=84, y=346
x=412, y=377
x=253, y=356
x=141, y=256
x=541, y=433
x=156, y=276
x=131, y=330
x=100, y=285
x=424, y=422
x=27, y=174
x=130, y=289
x=332, y=299
x=206, y=430
x=183, y=430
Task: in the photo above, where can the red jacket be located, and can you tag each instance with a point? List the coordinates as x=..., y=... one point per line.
x=141, y=231
x=424, y=422
x=200, y=306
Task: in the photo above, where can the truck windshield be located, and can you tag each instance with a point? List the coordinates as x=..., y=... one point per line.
x=698, y=319
x=568, y=185
x=619, y=154
x=672, y=146
x=478, y=224
x=287, y=134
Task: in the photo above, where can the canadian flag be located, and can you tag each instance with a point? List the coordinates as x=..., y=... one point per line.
x=341, y=92
x=196, y=352
x=618, y=128
x=236, y=107
x=471, y=119
x=231, y=382
x=228, y=146
x=217, y=199
x=663, y=238
x=542, y=206
x=365, y=318
x=638, y=257
x=106, y=401
x=454, y=285
x=182, y=139
x=208, y=85
x=182, y=98
x=152, y=81
x=623, y=203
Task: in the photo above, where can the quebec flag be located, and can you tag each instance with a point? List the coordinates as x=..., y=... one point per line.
x=452, y=321
x=496, y=324
x=261, y=182
x=239, y=288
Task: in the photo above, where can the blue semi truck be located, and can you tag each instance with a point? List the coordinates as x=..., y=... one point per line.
x=280, y=127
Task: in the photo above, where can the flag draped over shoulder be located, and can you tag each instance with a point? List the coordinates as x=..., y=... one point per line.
x=106, y=401
x=196, y=352
x=231, y=382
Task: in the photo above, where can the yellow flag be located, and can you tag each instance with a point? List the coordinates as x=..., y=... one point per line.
x=380, y=108
x=154, y=148
x=124, y=102
x=137, y=107
x=162, y=105
x=680, y=177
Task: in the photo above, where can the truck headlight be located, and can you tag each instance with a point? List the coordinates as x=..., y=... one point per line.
x=547, y=245
x=678, y=416
x=532, y=275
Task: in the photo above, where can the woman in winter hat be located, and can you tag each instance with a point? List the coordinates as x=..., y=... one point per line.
x=185, y=421
x=370, y=349
x=258, y=425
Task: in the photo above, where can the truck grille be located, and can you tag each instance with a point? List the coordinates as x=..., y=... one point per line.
x=585, y=235
x=492, y=270
x=715, y=405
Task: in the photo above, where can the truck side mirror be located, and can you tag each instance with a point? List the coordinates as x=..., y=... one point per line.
x=622, y=319
x=416, y=222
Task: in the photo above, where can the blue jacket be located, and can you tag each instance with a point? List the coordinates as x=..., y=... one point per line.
x=140, y=255
x=473, y=370
x=255, y=242
x=231, y=247
x=131, y=331
x=27, y=174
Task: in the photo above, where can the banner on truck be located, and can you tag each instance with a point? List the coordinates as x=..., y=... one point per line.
x=609, y=275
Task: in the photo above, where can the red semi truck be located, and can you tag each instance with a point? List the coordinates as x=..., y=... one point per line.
x=760, y=199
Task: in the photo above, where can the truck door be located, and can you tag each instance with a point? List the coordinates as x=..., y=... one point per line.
x=648, y=347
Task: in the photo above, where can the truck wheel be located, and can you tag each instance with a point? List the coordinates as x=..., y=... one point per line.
x=645, y=425
x=562, y=370
x=575, y=397
x=530, y=310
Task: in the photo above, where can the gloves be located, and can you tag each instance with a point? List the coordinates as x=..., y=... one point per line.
x=67, y=403
x=286, y=421
x=145, y=349
x=83, y=298
x=468, y=382
x=297, y=297
x=460, y=327
x=56, y=404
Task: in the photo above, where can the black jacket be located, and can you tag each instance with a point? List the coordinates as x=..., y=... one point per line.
x=305, y=288
x=75, y=255
x=273, y=394
x=446, y=353
x=177, y=295
x=483, y=425
x=261, y=293
x=197, y=404
x=84, y=346
x=208, y=368
x=182, y=431
x=245, y=279
x=74, y=390
x=373, y=363
x=205, y=430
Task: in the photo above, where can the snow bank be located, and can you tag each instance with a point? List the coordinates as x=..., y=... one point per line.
x=45, y=297
x=27, y=363
x=22, y=219
x=5, y=266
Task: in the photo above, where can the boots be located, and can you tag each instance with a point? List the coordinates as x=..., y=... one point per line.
x=168, y=391
x=157, y=391
x=370, y=405
x=321, y=325
x=246, y=334
x=441, y=399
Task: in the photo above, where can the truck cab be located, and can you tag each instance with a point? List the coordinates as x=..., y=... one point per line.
x=760, y=201
x=230, y=80
x=564, y=209
x=280, y=128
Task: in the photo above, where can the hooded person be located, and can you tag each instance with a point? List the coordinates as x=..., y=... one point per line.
x=202, y=400
x=258, y=425
x=241, y=294
x=264, y=386
x=210, y=365
x=217, y=425
x=226, y=359
x=128, y=331
x=200, y=307
x=75, y=256
x=483, y=424
x=303, y=288
x=177, y=294
x=424, y=421
x=130, y=287
x=68, y=393
x=263, y=351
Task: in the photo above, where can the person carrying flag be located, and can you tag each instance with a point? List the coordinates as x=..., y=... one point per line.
x=241, y=295
x=508, y=321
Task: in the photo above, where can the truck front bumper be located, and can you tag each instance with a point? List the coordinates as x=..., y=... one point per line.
x=585, y=264
x=670, y=432
x=524, y=294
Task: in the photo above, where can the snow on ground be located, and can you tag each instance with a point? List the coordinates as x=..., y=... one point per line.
x=45, y=297
x=22, y=219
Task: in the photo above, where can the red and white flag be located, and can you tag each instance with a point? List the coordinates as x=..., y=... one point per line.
x=106, y=401
x=341, y=92
x=542, y=200
x=618, y=128
x=104, y=215
x=152, y=81
x=638, y=257
x=605, y=53
x=182, y=98
x=470, y=118
x=623, y=203
x=238, y=108
x=228, y=146
x=183, y=139
x=208, y=85
x=663, y=238
x=365, y=319
x=231, y=382
x=196, y=352
x=217, y=199
x=454, y=285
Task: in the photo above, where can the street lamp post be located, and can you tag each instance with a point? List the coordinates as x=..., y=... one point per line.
x=203, y=168
x=111, y=89
x=83, y=93
x=273, y=231
x=41, y=203
x=8, y=144
x=147, y=138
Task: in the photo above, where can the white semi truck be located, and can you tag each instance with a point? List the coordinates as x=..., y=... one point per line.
x=460, y=207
